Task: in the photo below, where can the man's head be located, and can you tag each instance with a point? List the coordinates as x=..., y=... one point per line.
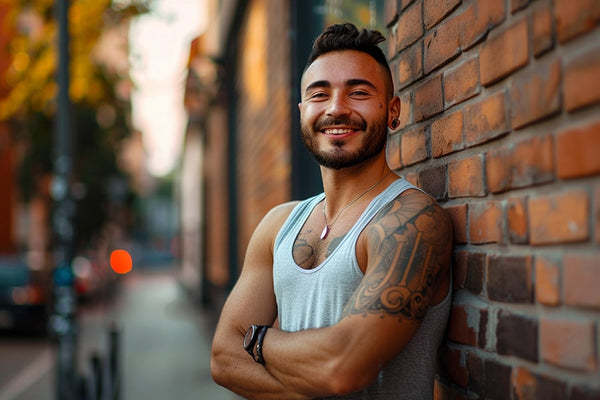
x=347, y=98
x=348, y=37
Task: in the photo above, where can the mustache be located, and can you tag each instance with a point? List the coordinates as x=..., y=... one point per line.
x=358, y=124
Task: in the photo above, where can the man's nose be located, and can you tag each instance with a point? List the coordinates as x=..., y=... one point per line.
x=338, y=105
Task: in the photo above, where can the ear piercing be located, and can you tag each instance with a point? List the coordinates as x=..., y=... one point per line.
x=395, y=123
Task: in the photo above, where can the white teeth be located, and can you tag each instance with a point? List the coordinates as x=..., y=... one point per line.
x=337, y=131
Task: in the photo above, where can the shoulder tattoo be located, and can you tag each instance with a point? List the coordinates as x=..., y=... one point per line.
x=408, y=241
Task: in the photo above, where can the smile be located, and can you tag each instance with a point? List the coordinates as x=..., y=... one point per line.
x=337, y=131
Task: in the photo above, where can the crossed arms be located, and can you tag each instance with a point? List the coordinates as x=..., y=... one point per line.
x=406, y=250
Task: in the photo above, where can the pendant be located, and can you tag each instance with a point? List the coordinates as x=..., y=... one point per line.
x=324, y=232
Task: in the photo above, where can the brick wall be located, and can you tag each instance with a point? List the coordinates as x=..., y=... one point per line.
x=501, y=123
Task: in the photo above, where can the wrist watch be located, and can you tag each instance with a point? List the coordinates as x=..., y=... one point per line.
x=254, y=338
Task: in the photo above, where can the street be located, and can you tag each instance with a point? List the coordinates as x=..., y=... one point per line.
x=164, y=341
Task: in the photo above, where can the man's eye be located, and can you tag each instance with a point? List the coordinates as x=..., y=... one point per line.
x=317, y=95
x=359, y=93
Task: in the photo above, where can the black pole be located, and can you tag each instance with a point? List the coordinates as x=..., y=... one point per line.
x=63, y=321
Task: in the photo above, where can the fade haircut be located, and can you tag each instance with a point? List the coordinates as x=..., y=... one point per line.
x=347, y=36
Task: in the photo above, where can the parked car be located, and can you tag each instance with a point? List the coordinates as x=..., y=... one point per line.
x=25, y=296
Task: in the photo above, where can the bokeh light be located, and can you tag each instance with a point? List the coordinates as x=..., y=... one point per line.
x=120, y=261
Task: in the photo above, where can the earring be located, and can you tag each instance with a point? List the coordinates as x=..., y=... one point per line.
x=395, y=123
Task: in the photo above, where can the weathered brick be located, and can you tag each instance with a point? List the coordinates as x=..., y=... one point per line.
x=504, y=53
x=497, y=380
x=581, y=83
x=435, y=10
x=459, y=269
x=464, y=324
x=568, y=343
x=461, y=82
x=447, y=134
x=465, y=177
x=509, y=279
x=412, y=178
x=413, y=146
x=547, y=282
x=475, y=272
x=581, y=274
x=485, y=222
x=410, y=65
x=577, y=151
x=559, y=218
x=543, y=29
x=486, y=119
x=596, y=212
x=536, y=95
x=442, y=44
x=478, y=19
x=582, y=392
x=433, y=181
x=428, y=99
x=517, y=335
x=574, y=18
x=516, y=5
x=476, y=373
x=410, y=26
x=405, y=109
x=458, y=214
x=529, y=386
x=393, y=152
x=457, y=367
x=520, y=164
x=390, y=12
x=516, y=218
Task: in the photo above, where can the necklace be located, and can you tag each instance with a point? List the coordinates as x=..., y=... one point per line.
x=328, y=226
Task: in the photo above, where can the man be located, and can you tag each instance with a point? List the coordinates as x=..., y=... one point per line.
x=347, y=293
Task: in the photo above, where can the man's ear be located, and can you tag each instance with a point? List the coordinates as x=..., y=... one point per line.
x=300, y=106
x=394, y=107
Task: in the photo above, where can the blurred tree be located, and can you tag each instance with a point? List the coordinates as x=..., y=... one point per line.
x=99, y=92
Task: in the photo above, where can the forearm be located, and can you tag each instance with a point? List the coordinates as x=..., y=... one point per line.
x=233, y=368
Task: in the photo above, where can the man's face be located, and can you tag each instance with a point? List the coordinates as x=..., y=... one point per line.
x=344, y=109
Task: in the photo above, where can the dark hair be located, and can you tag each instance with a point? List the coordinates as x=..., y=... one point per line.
x=348, y=37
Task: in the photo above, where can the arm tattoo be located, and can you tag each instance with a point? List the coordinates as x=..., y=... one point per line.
x=406, y=239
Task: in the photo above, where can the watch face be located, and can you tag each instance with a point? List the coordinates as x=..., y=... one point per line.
x=249, y=335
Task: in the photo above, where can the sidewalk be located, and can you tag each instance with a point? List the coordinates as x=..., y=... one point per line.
x=165, y=340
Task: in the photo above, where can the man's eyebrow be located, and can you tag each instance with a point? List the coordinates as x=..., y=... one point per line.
x=358, y=82
x=318, y=84
x=349, y=83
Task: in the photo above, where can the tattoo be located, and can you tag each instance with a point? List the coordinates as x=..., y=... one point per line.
x=407, y=242
x=304, y=254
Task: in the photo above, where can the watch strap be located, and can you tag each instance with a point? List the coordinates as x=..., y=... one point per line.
x=259, y=344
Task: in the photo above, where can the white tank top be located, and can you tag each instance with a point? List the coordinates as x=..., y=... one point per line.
x=315, y=298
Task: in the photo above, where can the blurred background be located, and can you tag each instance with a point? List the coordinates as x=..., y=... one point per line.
x=120, y=128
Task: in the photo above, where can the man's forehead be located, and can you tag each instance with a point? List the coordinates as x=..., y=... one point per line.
x=342, y=66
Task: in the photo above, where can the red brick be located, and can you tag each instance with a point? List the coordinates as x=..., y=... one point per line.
x=413, y=146
x=461, y=82
x=412, y=178
x=516, y=220
x=497, y=379
x=574, y=18
x=596, y=212
x=442, y=44
x=582, y=85
x=433, y=181
x=478, y=19
x=509, y=279
x=559, y=218
x=458, y=214
x=390, y=11
x=582, y=280
x=468, y=270
x=529, y=386
x=568, y=343
x=459, y=269
x=505, y=53
x=536, y=95
x=428, y=99
x=486, y=119
x=465, y=325
x=577, y=151
x=410, y=26
x=547, y=288
x=393, y=151
x=521, y=164
x=485, y=222
x=410, y=65
x=435, y=10
x=457, y=367
x=516, y=5
x=447, y=134
x=517, y=335
x=543, y=29
x=466, y=177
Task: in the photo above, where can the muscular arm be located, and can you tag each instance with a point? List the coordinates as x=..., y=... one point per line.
x=252, y=301
x=407, y=251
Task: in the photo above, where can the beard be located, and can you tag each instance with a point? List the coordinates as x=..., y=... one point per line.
x=373, y=142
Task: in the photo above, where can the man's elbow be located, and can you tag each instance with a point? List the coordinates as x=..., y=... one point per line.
x=218, y=369
x=342, y=378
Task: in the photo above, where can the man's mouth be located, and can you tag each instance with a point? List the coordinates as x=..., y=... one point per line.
x=337, y=131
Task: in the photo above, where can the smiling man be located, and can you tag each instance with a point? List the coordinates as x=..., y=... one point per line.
x=345, y=294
